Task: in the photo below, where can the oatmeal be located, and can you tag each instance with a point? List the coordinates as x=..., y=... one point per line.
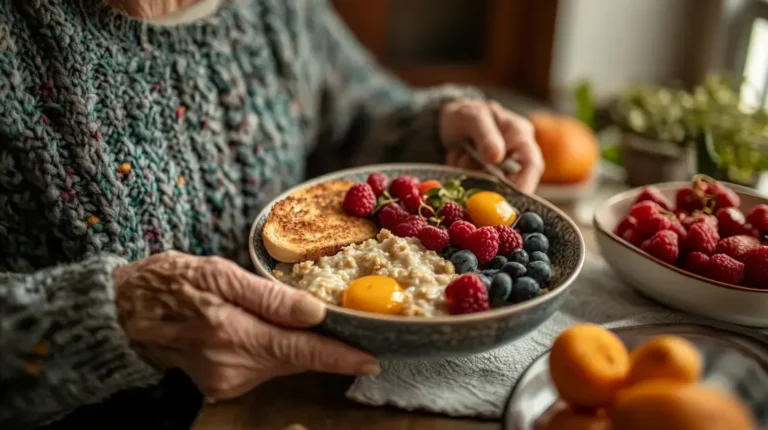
x=423, y=274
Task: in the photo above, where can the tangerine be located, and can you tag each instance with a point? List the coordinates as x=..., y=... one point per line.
x=665, y=357
x=570, y=149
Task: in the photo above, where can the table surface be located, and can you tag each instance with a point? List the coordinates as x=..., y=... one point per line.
x=317, y=402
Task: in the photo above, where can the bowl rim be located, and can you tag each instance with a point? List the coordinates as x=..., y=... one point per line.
x=438, y=320
x=608, y=232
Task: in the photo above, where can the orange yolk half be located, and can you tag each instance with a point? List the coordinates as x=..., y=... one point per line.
x=487, y=208
x=375, y=293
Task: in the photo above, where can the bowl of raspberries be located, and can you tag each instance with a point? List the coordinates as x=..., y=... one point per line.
x=699, y=246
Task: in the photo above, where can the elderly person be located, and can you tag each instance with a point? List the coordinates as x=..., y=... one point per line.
x=139, y=139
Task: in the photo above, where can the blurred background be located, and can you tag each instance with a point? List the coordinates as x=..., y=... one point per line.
x=664, y=88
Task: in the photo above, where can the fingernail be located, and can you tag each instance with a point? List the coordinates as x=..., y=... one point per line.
x=309, y=310
x=370, y=369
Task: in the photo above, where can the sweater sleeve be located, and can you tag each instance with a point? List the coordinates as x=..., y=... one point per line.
x=61, y=346
x=375, y=115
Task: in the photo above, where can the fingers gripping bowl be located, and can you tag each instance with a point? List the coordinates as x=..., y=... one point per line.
x=422, y=323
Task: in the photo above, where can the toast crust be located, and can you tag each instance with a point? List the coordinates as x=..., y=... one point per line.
x=311, y=223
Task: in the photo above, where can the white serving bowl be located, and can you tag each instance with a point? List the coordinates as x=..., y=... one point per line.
x=671, y=285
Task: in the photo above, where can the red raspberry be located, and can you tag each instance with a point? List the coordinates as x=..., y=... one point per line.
x=460, y=231
x=412, y=203
x=509, y=239
x=359, y=200
x=404, y=186
x=686, y=200
x=758, y=217
x=737, y=246
x=634, y=237
x=452, y=212
x=723, y=268
x=466, y=295
x=644, y=210
x=681, y=215
x=679, y=230
x=416, y=219
x=709, y=220
x=663, y=245
x=625, y=224
x=433, y=238
x=653, y=223
x=484, y=243
x=730, y=222
x=726, y=198
x=756, y=267
x=653, y=194
x=696, y=263
x=702, y=238
x=391, y=215
x=379, y=183
x=410, y=227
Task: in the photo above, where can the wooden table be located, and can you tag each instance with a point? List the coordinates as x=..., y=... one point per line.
x=318, y=403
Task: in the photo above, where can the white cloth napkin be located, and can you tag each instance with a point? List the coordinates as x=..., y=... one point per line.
x=478, y=386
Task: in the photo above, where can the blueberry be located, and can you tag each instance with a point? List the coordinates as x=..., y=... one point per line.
x=530, y=222
x=514, y=269
x=519, y=256
x=464, y=261
x=536, y=242
x=449, y=251
x=525, y=288
x=540, y=256
x=540, y=271
x=501, y=287
x=489, y=273
x=498, y=262
x=486, y=281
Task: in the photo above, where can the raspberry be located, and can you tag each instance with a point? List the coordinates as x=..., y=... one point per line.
x=460, y=231
x=634, y=237
x=509, y=240
x=410, y=227
x=702, y=238
x=679, y=230
x=466, y=295
x=412, y=203
x=756, y=267
x=625, y=224
x=730, y=222
x=686, y=200
x=737, y=246
x=726, y=198
x=653, y=194
x=758, y=217
x=452, y=212
x=710, y=220
x=696, y=263
x=359, y=200
x=723, y=268
x=391, y=215
x=644, y=210
x=433, y=238
x=484, y=243
x=379, y=183
x=404, y=186
x=428, y=185
x=652, y=224
x=663, y=245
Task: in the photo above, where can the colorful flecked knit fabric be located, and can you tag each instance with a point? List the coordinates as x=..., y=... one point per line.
x=120, y=139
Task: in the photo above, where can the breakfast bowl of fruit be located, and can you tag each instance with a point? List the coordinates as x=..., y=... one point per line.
x=419, y=260
x=697, y=246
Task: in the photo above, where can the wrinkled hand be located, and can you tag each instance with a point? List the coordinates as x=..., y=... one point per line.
x=226, y=328
x=497, y=133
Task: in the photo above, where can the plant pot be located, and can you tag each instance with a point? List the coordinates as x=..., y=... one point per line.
x=648, y=162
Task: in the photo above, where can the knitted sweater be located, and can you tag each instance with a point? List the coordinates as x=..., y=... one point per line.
x=120, y=139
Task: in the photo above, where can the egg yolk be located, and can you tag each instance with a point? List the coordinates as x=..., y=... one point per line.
x=378, y=294
x=487, y=208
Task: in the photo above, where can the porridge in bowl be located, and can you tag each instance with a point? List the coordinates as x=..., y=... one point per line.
x=421, y=274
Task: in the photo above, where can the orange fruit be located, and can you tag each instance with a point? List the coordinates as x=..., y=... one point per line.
x=568, y=419
x=570, y=149
x=665, y=404
x=588, y=365
x=428, y=185
x=665, y=357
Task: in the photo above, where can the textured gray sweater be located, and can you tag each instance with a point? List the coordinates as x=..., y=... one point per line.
x=120, y=139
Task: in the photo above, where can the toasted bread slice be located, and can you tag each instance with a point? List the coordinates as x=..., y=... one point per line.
x=311, y=223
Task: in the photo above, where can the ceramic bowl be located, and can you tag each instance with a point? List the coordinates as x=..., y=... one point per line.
x=445, y=336
x=734, y=362
x=671, y=285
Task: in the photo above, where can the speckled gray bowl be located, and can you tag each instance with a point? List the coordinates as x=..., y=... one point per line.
x=399, y=337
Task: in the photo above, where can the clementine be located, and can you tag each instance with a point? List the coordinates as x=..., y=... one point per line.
x=665, y=357
x=588, y=365
x=570, y=148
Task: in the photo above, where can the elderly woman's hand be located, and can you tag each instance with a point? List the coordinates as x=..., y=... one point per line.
x=497, y=133
x=226, y=328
